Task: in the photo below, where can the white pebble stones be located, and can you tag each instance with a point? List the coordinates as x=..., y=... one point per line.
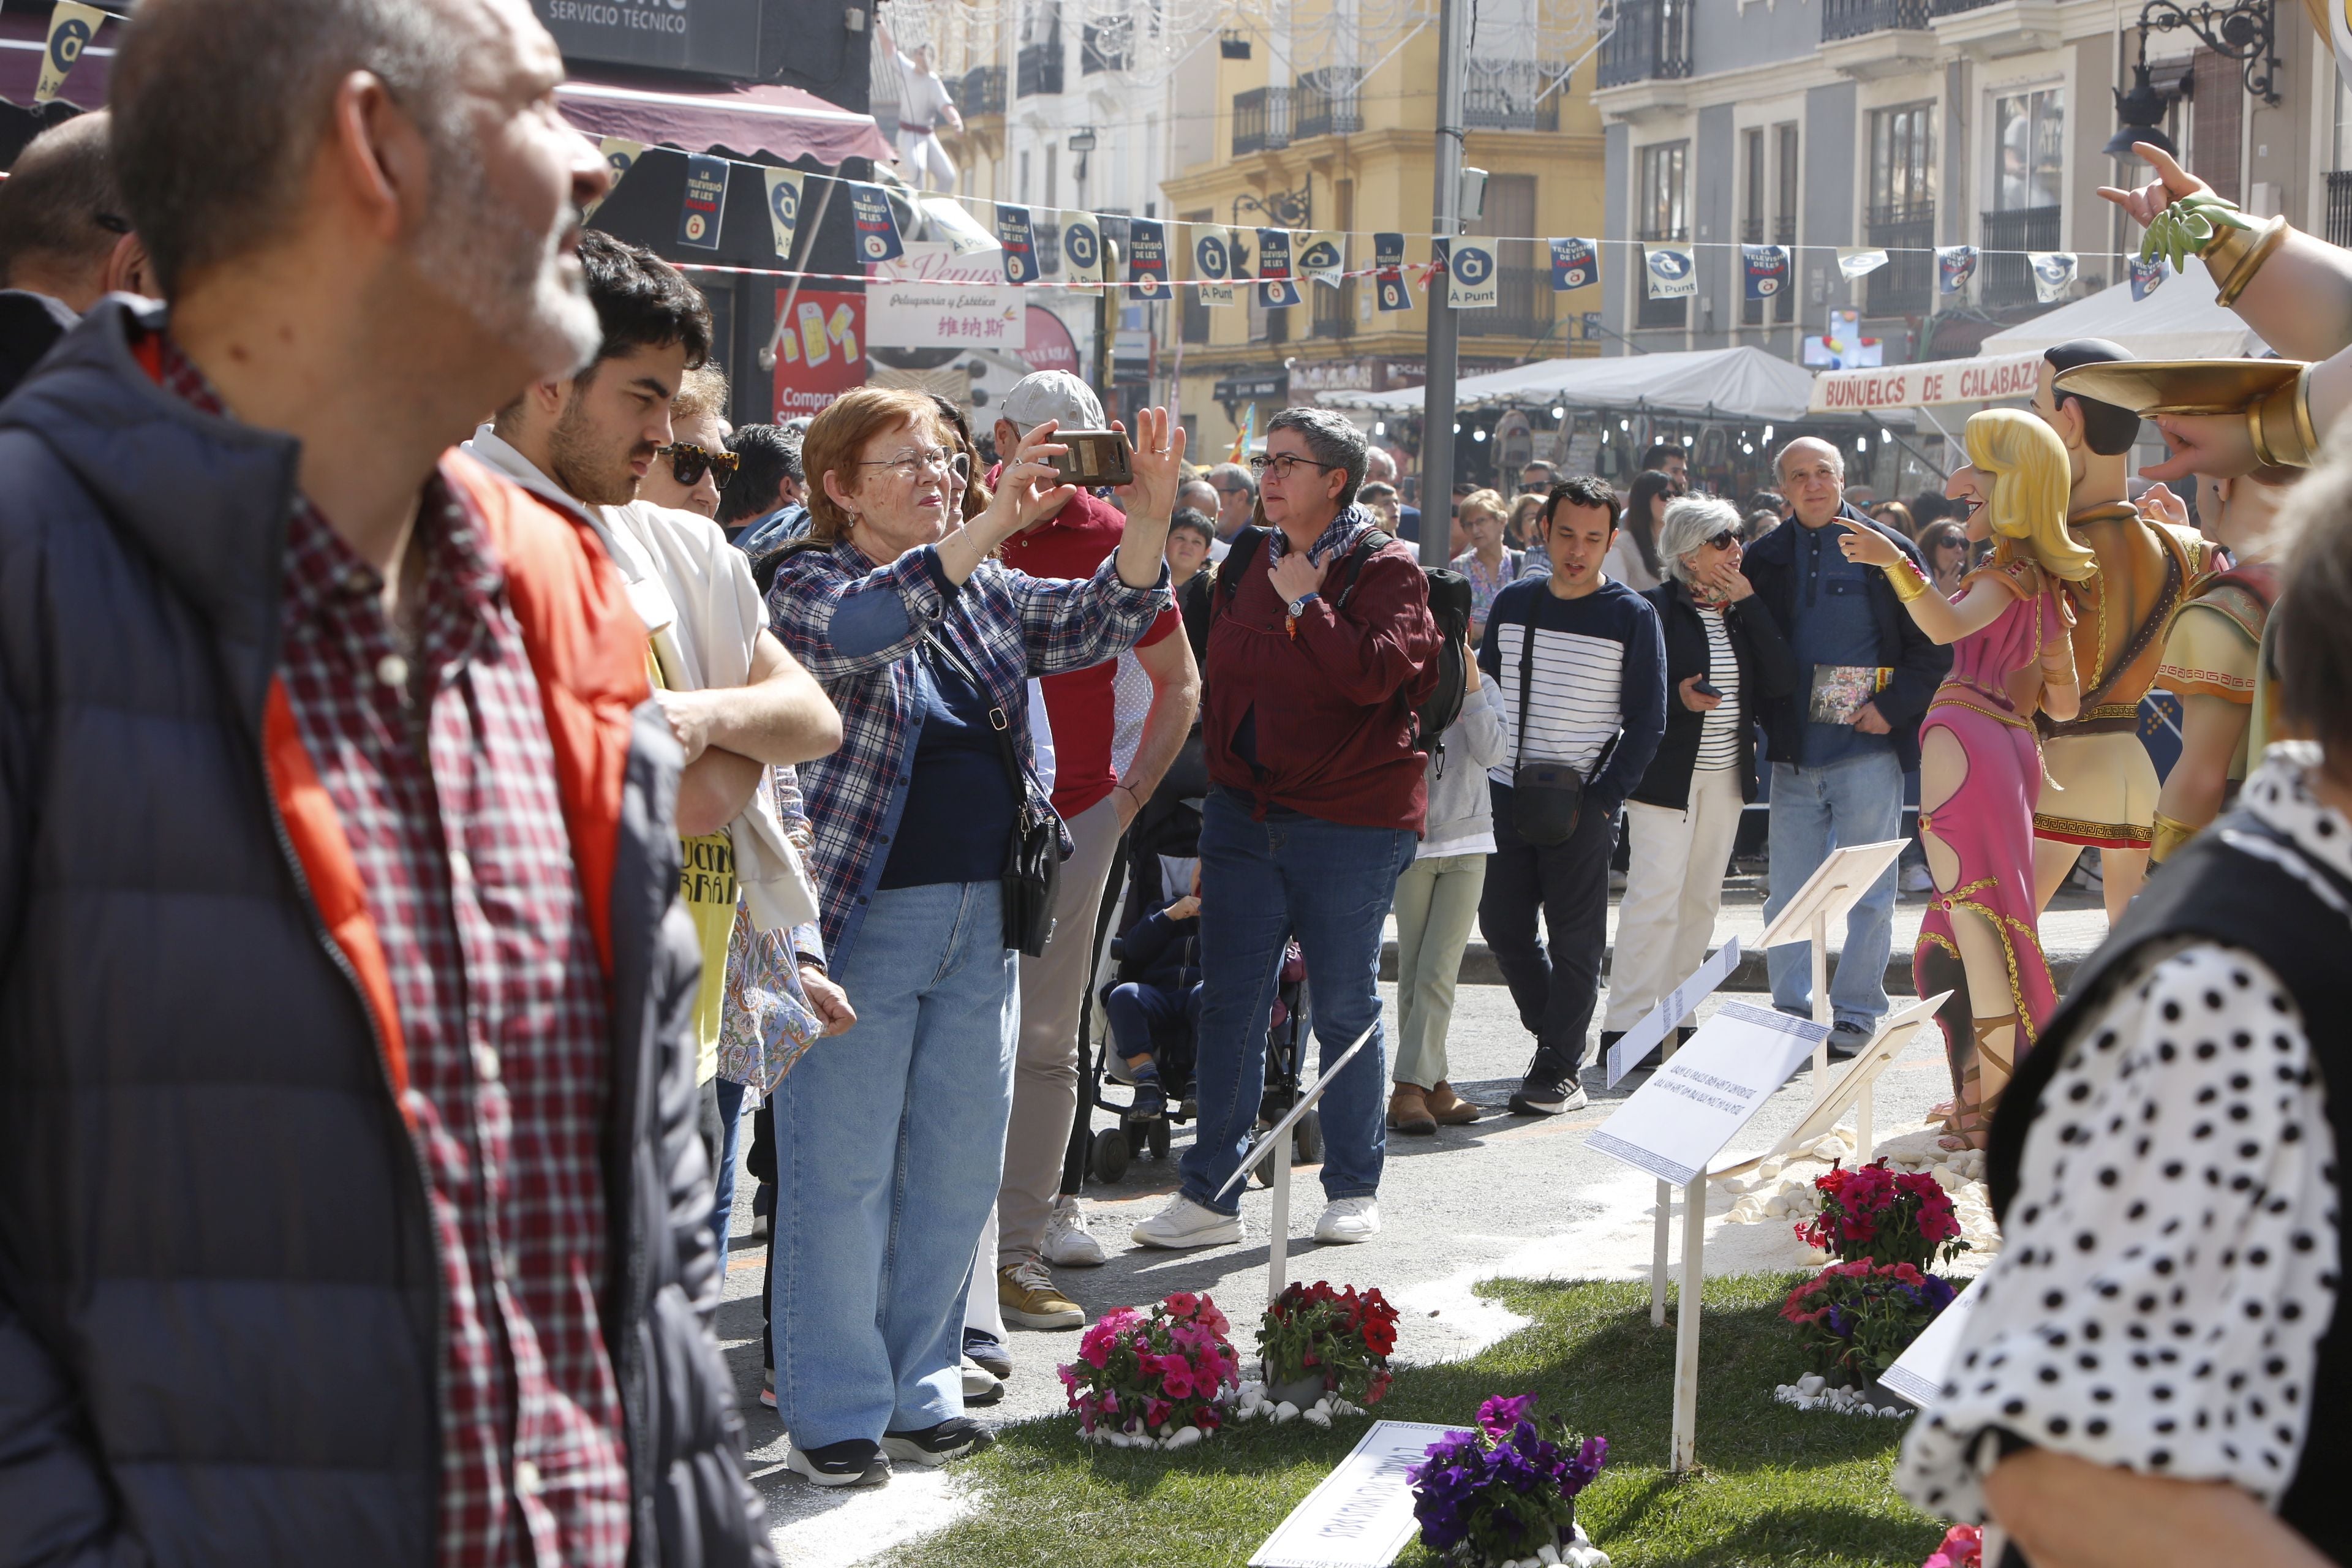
x=1253, y=1404
x=1133, y=1436
x=1580, y=1553
x=1813, y=1392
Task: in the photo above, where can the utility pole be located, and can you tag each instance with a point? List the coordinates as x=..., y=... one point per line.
x=1109, y=302
x=1438, y=386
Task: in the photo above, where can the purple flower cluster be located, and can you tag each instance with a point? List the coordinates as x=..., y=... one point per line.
x=1508, y=1489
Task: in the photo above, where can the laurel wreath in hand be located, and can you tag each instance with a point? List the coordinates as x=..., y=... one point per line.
x=2188, y=225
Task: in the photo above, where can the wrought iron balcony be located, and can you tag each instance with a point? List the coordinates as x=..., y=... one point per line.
x=1501, y=96
x=1954, y=7
x=1040, y=68
x=1907, y=284
x=1324, y=102
x=1652, y=42
x=1261, y=120
x=2008, y=281
x=1523, y=304
x=980, y=91
x=1854, y=18
x=2339, y=207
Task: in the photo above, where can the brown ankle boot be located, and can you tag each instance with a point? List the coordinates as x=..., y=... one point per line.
x=1450, y=1110
x=1409, y=1111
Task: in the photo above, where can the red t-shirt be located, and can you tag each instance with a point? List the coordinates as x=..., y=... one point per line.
x=1075, y=543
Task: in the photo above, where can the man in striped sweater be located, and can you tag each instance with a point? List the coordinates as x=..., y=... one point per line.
x=1581, y=666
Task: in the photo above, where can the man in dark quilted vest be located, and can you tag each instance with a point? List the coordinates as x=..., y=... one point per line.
x=350, y=1206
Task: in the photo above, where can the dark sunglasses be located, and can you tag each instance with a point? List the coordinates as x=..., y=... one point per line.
x=1723, y=540
x=689, y=462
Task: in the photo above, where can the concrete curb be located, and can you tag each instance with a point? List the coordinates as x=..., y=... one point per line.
x=1479, y=968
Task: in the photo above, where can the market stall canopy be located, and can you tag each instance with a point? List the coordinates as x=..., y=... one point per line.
x=1742, y=383
x=2179, y=321
x=782, y=121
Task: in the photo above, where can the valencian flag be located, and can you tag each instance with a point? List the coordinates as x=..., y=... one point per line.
x=1248, y=434
x=1147, y=259
x=1212, y=265
x=706, y=201
x=1082, y=252
x=71, y=28
x=784, y=208
x=621, y=156
x=878, y=226
x=1764, y=270
x=1955, y=264
x=1575, y=264
x=1388, y=272
x=1013, y=233
x=1322, y=257
x=1274, y=288
x=2053, y=271
x=2148, y=277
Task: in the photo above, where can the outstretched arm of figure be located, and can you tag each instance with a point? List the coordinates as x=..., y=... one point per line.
x=2221, y=445
x=1945, y=620
x=2300, y=301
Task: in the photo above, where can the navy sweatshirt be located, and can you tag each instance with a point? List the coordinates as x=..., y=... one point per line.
x=1600, y=670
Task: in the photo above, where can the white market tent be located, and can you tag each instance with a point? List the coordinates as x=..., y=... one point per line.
x=1742, y=383
x=2179, y=321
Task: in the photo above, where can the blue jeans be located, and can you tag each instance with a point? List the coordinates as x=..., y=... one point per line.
x=1261, y=883
x=889, y=1147
x=1857, y=800
x=723, y=1163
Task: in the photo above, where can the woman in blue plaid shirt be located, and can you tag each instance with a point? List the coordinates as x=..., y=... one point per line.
x=891, y=1141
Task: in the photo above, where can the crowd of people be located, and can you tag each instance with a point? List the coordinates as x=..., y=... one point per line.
x=511, y=781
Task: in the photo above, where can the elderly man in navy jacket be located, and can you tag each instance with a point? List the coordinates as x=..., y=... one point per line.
x=1837, y=783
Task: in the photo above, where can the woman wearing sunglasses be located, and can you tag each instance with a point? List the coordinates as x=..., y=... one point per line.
x=1723, y=652
x=690, y=472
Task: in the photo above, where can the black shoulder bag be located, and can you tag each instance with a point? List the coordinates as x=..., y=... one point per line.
x=1032, y=871
x=1547, y=798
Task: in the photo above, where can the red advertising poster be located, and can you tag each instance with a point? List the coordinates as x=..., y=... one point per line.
x=820, y=350
x=1047, y=344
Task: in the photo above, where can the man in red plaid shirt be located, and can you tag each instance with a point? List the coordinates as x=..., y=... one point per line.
x=350, y=1206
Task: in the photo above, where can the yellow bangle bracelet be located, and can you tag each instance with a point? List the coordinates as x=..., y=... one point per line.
x=2237, y=254
x=2280, y=427
x=2166, y=835
x=1905, y=578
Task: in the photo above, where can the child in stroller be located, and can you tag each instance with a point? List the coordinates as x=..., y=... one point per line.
x=1161, y=952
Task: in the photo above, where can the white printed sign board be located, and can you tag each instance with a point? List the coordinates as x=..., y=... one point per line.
x=1920, y=1372
x=1361, y=1515
x=1646, y=1036
x=1700, y=1098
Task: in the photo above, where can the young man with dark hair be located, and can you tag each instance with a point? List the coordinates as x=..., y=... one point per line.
x=766, y=488
x=64, y=242
x=385, y=1236
x=1580, y=665
x=1671, y=458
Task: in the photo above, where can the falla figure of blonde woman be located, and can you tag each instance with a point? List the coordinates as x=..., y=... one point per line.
x=1980, y=774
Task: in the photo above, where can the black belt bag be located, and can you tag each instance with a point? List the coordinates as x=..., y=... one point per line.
x=1547, y=798
x=1033, y=871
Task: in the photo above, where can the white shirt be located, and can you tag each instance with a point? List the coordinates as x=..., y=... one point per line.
x=922, y=99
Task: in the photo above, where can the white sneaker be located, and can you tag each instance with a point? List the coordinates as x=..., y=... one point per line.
x=1068, y=1244
x=1349, y=1219
x=1184, y=1223
x=980, y=1386
x=1916, y=880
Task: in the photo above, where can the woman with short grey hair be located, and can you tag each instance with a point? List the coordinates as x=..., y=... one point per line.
x=1723, y=652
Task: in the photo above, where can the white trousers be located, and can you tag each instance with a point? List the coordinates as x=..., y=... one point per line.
x=1673, y=889
x=924, y=163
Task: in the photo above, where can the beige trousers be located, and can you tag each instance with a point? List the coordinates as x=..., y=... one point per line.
x=1674, y=887
x=1045, y=1068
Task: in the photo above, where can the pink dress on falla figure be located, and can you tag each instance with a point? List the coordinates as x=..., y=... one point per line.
x=1987, y=702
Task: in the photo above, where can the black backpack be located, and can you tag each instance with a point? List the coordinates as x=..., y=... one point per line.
x=1449, y=605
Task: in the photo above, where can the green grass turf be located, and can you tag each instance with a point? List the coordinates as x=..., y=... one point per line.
x=1776, y=1486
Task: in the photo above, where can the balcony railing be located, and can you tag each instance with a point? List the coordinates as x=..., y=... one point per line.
x=1523, y=299
x=1324, y=103
x=2008, y=281
x=1649, y=313
x=1854, y=18
x=980, y=91
x=1907, y=284
x=1501, y=96
x=1784, y=303
x=2339, y=207
x=1335, y=308
x=1652, y=42
x=1954, y=7
x=1040, y=68
x=1261, y=120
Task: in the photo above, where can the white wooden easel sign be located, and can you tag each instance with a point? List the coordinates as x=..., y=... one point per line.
x=1277, y=1143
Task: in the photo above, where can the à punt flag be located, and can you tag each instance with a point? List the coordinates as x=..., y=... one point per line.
x=878, y=226
x=1388, y=272
x=1575, y=264
x=1764, y=271
x=1147, y=257
x=706, y=201
x=1082, y=252
x=621, y=156
x=1955, y=264
x=71, y=28
x=1020, y=243
x=1672, y=273
x=1473, y=282
x=1274, y=288
x=1860, y=262
x=2054, y=270
x=783, y=208
x=1323, y=257
x=1213, y=266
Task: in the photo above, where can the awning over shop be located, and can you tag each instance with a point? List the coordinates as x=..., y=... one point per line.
x=2179, y=321
x=1930, y=383
x=1742, y=383
x=782, y=121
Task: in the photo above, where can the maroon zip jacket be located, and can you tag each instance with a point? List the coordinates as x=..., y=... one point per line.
x=1320, y=718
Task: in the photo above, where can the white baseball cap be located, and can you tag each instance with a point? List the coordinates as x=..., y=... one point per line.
x=1053, y=395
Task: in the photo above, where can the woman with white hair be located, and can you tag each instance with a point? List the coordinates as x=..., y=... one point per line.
x=1723, y=653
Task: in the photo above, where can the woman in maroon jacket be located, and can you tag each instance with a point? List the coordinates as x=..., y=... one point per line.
x=1320, y=650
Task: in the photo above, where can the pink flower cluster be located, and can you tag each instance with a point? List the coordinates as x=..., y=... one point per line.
x=1963, y=1547
x=1892, y=1217
x=1169, y=1368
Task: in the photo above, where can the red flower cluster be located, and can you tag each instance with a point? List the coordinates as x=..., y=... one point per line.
x=1343, y=1333
x=1858, y=1318
x=1873, y=1213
